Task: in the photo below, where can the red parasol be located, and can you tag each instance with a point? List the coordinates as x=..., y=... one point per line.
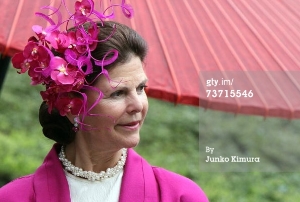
x=250, y=47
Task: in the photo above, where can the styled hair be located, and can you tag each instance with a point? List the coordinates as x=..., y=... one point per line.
x=127, y=42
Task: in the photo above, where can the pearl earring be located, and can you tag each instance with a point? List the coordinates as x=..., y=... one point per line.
x=76, y=121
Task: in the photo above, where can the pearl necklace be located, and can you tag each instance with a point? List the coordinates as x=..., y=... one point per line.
x=90, y=175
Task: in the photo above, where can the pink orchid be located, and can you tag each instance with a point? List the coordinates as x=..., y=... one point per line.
x=61, y=41
x=36, y=76
x=79, y=81
x=49, y=96
x=93, y=33
x=87, y=41
x=22, y=63
x=62, y=72
x=58, y=89
x=40, y=32
x=33, y=56
x=71, y=39
x=53, y=92
x=83, y=8
x=57, y=40
x=71, y=56
x=66, y=104
x=33, y=51
x=82, y=41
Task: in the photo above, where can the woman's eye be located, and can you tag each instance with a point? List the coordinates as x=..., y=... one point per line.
x=141, y=88
x=117, y=93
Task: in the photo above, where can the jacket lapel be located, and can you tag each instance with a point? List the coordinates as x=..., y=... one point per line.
x=138, y=183
x=50, y=183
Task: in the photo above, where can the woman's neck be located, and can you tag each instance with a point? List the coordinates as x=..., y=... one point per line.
x=90, y=159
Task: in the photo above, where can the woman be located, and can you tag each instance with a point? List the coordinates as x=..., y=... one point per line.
x=97, y=106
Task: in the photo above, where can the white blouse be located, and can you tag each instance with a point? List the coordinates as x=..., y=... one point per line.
x=82, y=190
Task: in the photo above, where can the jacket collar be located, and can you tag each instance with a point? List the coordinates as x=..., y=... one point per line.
x=138, y=182
x=50, y=183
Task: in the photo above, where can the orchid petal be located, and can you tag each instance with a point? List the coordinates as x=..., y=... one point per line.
x=56, y=62
x=37, y=29
x=64, y=79
x=71, y=56
x=17, y=60
x=85, y=61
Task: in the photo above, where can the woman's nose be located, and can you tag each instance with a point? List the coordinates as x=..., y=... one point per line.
x=135, y=103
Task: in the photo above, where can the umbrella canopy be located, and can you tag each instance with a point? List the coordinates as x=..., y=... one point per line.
x=251, y=48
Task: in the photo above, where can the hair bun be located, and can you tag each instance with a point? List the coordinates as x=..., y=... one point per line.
x=55, y=126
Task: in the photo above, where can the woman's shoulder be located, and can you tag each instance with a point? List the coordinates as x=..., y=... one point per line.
x=184, y=187
x=19, y=188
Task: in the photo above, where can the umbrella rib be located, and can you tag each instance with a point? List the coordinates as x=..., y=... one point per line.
x=236, y=56
x=268, y=49
x=191, y=12
x=285, y=49
x=13, y=27
x=183, y=37
x=289, y=8
x=185, y=42
x=273, y=35
x=165, y=50
x=222, y=35
x=287, y=22
x=207, y=42
x=288, y=38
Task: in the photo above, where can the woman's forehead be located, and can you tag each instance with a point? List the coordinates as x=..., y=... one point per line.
x=130, y=73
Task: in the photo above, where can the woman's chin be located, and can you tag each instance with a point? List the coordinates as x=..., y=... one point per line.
x=131, y=142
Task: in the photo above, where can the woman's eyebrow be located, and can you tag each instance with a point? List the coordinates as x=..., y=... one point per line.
x=144, y=81
x=120, y=86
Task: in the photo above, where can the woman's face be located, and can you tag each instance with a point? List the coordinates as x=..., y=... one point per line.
x=123, y=108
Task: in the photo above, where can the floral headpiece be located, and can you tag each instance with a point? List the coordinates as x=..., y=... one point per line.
x=65, y=74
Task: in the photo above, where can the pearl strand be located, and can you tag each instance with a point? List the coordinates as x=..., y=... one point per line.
x=90, y=175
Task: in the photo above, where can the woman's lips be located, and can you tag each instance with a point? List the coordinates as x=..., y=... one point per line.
x=131, y=126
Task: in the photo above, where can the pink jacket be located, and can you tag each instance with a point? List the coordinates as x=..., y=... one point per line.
x=140, y=182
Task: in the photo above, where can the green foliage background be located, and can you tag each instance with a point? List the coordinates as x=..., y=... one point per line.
x=170, y=139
